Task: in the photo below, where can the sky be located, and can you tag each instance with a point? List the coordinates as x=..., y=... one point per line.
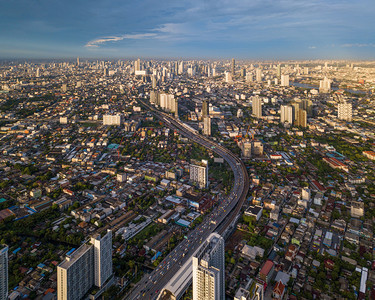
x=243, y=29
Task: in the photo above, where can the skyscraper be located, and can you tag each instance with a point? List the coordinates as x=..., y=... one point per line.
x=205, y=108
x=258, y=75
x=77, y=61
x=102, y=257
x=199, y=173
x=137, y=65
x=233, y=66
x=301, y=119
x=209, y=270
x=37, y=72
x=257, y=107
x=3, y=272
x=284, y=80
x=286, y=114
x=207, y=126
x=344, y=111
x=278, y=71
x=90, y=264
x=325, y=85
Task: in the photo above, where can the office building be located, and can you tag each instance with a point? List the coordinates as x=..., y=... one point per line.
x=102, y=257
x=207, y=126
x=154, y=98
x=3, y=272
x=209, y=270
x=256, y=147
x=307, y=105
x=205, y=108
x=344, y=111
x=286, y=114
x=89, y=265
x=199, y=173
x=168, y=102
x=233, y=67
x=75, y=275
x=112, y=120
x=78, y=61
x=278, y=71
x=325, y=85
x=37, y=72
x=228, y=77
x=243, y=73
x=137, y=65
x=301, y=119
x=257, y=106
x=258, y=75
x=284, y=80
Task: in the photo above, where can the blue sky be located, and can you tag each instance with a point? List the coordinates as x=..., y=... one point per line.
x=248, y=29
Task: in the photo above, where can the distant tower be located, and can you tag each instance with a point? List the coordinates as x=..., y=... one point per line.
x=78, y=61
x=258, y=75
x=301, y=119
x=284, y=80
x=243, y=73
x=176, y=108
x=137, y=65
x=257, y=107
x=3, y=272
x=278, y=71
x=233, y=66
x=38, y=72
x=286, y=114
x=325, y=85
x=209, y=270
x=228, y=77
x=344, y=111
x=205, y=110
x=207, y=126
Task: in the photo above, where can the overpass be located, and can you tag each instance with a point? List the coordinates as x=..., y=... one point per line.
x=222, y=220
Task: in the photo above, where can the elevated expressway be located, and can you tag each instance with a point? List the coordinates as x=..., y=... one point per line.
x=173, y=275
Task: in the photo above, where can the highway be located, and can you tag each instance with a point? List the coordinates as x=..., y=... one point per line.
x=219, y=220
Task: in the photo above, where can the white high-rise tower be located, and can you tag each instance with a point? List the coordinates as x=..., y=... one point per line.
x=209, y=270
x=3, y=272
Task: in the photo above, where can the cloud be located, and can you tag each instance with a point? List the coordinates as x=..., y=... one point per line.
x=357, y=45
x=97, y=42
x=312, y=47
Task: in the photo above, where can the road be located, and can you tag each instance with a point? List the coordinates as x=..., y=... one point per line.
x=218, y=220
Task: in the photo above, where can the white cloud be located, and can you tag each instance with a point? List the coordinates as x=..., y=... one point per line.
x=97, y=42
x=312, y=47
x=357, y=45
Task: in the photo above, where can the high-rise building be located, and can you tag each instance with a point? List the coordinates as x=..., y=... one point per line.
x=278, y=71
x=284, y=80
x=345, y=111
x=181, y=68
x=37, y=72
x=77, y=61
x=286, y=114
x=325, y=85
x=258, y=75
x=228, y=77
x=209, y=270
x=89, y=265
x=301, y=119
x=112, y=120
x=154, y=98
x=233, y=67
x=137, y=65
x=307, y=105
x=207, y=126
x=75, y=275
x=205, y=108
x=102, y=257
x=257, y=106
x=168, y=102
x=199, y=173
x=3, y=272
x=243, y=72
x=246, y=149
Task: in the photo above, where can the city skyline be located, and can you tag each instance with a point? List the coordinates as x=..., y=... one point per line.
x=213, y=29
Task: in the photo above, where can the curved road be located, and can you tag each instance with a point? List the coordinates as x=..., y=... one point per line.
x=219, y=220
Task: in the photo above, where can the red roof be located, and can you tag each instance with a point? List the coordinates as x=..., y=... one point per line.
x=267, y=267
